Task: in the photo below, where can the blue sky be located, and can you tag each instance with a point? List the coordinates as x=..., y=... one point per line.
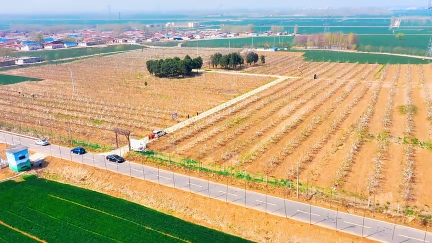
x=50, y=6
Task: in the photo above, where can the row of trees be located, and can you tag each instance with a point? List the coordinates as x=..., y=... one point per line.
x=174, y=67
x=5, y=51
x=237, y=28
x=327, y=40
x=234, y=60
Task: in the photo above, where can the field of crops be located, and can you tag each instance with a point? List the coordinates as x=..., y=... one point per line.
x=293, y=64
x=410, y=44
x=369, y=125
x=54, y=212
x=78, y=52
x=241, y=42
x=332, y=56
x=386, y=43
x=113, y=91
x=11, y=79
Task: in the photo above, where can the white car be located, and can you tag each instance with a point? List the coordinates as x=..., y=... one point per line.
x=42, y=142
x=159, y=133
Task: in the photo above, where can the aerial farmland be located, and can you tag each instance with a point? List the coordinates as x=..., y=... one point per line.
x=114, y=91
x=368, y=125
x=361, y=129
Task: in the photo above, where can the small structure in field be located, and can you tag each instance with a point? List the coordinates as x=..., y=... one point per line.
x=18, y=157
x=138, y=145
x=37, y=160
x=3, y=163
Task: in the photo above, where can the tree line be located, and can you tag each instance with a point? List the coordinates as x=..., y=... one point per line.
x=327, y=40
x=174, y=67
x=234, y=60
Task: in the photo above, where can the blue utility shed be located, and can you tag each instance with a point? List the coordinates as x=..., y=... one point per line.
x=18, y=157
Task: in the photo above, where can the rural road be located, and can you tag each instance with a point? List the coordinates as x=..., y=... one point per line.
x=332, y=219
x=220, y=107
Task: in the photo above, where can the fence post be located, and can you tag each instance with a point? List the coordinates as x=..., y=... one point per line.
x=189, y=176
x=208, y=184
x=60, y=152
x=364, y=214
x=245, y=196
x=158, y=175
x=142, y=163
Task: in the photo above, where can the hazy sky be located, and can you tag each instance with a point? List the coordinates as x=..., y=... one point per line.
x=49, y=6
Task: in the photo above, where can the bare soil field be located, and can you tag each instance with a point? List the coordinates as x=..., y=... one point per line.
x=113, y=91
x=368, y=125
x=232, y=219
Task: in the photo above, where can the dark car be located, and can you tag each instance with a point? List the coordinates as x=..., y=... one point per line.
x=115, y=158
x=78, y=150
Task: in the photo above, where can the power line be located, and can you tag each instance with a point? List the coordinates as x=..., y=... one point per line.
x=429, y=47
x=326, y=23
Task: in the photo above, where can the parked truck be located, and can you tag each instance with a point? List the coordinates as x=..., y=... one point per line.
x=138, y=145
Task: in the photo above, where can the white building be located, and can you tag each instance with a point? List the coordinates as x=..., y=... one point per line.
x=70, y=44
x=134, y=41
x=27, y=60
x=31, y=47
x=153, y=40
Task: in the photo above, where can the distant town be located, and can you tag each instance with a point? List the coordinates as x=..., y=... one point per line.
x=27, y=41
x=24, y=41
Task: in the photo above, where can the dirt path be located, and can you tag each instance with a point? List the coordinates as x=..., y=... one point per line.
x=279, y=79
x=230, y=102
x=22, y=232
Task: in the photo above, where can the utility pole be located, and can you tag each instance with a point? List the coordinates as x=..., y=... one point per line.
x=429, y=49
x=297, y=179
x=72, y=80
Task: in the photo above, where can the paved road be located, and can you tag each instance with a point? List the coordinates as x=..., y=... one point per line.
x=369, y=228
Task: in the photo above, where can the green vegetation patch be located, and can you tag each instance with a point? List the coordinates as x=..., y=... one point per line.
x=10, y=79
x=9, y=235
x=97, y=122
x=238, y=42
x=352, y=57
x=380, y=71
x=57, y=212
x=416, y=142
x=410, y=44
x=50, y=55
x=404, y=109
